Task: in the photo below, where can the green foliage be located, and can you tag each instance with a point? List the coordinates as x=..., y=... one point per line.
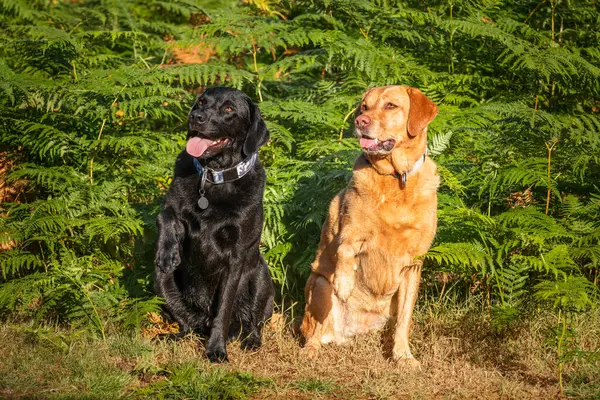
x=88, y=128
x=189, y=381
x=50, y=363
x=95, y=97
x=314, y=386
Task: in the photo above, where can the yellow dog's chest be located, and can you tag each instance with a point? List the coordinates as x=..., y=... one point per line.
x=396, y=222
x=389, y=247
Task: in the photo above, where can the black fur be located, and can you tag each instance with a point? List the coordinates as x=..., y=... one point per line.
x=208, y=266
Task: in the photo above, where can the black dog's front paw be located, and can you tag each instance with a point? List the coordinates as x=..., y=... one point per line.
x=251, y=343
x=167, y=258
x=217, y=354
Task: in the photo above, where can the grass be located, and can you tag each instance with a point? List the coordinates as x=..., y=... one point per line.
x=314, y=386
x=461, y=354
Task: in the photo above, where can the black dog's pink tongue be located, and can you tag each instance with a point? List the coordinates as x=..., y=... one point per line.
x=197, y=146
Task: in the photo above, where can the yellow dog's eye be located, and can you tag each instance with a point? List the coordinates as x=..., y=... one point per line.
x=228, y=109
x=389, y=106
x=363, y=107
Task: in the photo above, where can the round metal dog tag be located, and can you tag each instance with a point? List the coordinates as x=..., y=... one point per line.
x=203, y=203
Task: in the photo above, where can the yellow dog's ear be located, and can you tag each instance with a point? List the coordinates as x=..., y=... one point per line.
x=422, y=112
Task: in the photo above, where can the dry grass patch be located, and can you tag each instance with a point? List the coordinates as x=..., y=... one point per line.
x=462, y=357
x=459, y=360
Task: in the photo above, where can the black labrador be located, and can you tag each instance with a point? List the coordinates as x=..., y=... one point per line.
x=208, y=266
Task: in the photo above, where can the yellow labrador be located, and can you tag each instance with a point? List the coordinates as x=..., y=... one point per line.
x=365, y=272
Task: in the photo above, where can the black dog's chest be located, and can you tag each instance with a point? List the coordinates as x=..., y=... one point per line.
x=213, y=234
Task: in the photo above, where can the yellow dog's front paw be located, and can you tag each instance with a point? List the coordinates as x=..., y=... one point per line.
x=310, y=351
x=406, y=360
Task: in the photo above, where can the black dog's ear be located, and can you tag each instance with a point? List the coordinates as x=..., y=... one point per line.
x=258, y=134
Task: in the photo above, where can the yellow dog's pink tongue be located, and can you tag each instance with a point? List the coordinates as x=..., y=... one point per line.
x=365, y=143
x=197, y=146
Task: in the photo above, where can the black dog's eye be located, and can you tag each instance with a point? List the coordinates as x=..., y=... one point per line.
x=201, y=102
x=389, y=106
x=363, y=107
x=228, y=109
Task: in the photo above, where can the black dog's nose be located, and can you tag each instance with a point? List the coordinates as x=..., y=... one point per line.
x=197, y=117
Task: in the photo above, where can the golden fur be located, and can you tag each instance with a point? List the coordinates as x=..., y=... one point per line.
x=365, y=272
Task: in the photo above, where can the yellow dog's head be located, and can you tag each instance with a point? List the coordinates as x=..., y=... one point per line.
x=394, y=119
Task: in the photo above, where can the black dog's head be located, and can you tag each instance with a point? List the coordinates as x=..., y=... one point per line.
x=224, y=127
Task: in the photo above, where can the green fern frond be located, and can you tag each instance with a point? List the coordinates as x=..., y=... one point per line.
x=16, y=262
x=466, y=256
x=439, y=143
x=573, y=293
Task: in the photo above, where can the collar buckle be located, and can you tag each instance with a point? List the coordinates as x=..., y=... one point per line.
x=404, y=176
